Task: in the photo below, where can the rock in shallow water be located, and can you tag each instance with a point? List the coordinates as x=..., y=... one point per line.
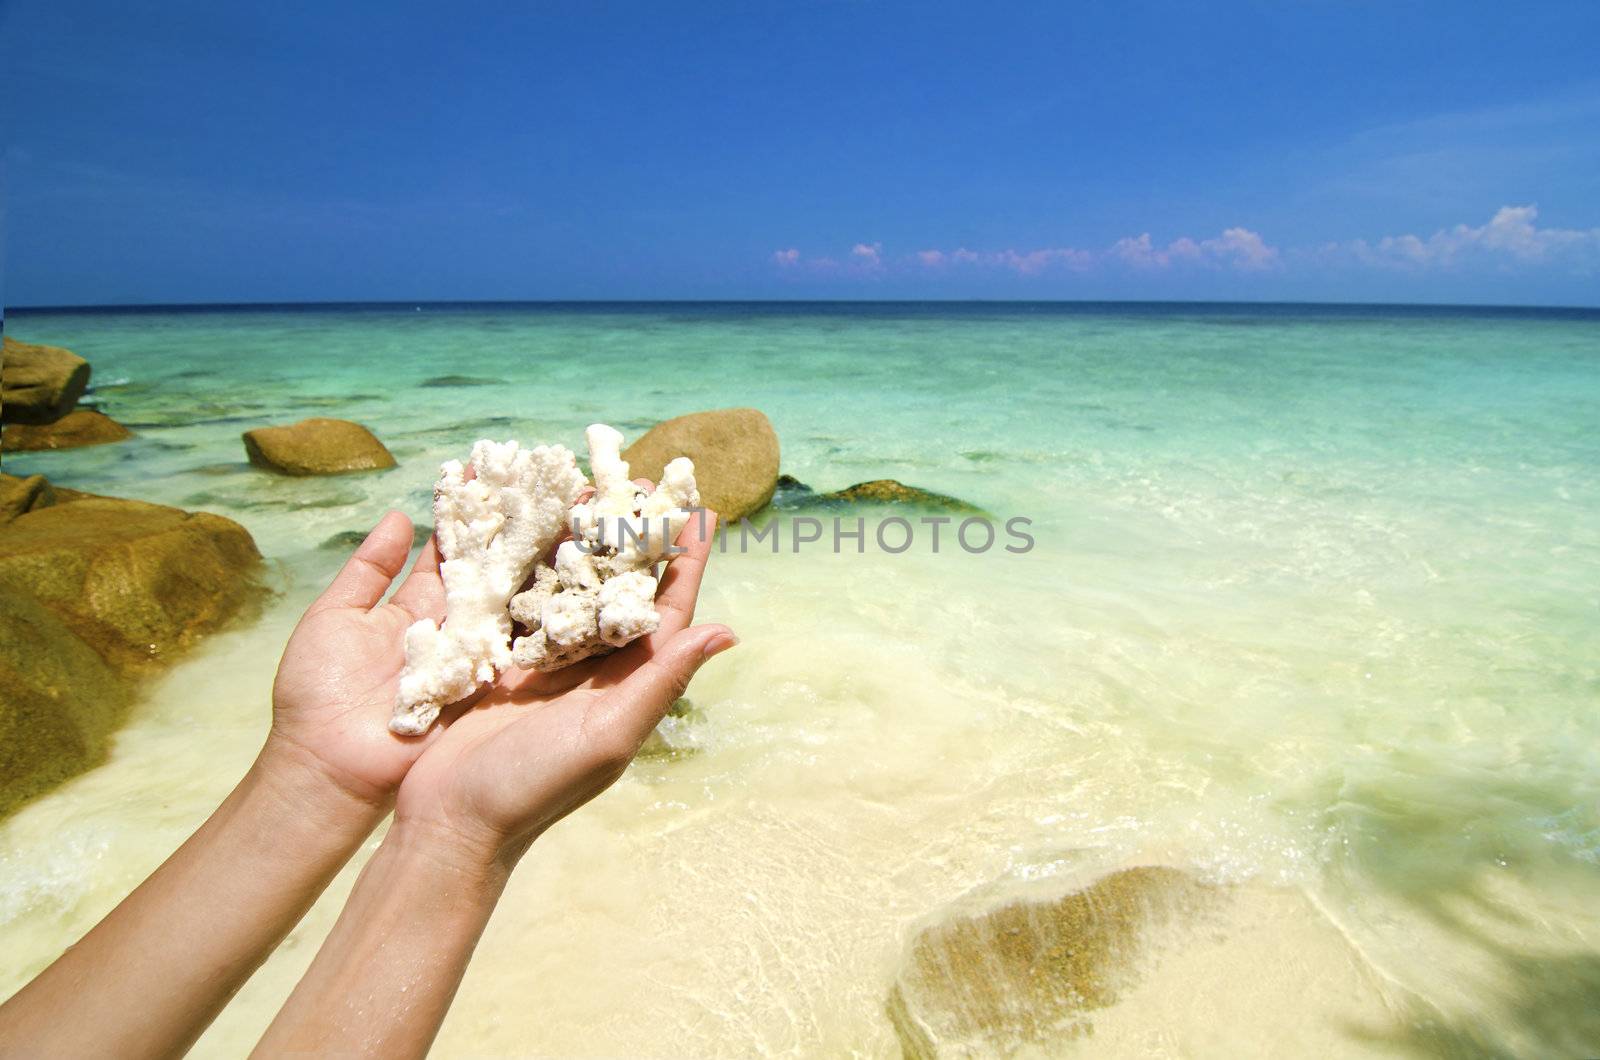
x=39, y=384
x=734, y=451
x=316, y=446
x=347, y=540
x=1147, y=959
x=59, y=700
x=1028, y=971
x=97, y=591
x=77, y=428
x=791, y=493
x=890, y=491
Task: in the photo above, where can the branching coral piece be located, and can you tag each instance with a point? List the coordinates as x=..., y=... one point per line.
x=600, y=593
x=492, y=530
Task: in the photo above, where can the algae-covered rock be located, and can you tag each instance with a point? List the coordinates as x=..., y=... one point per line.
x=791, y=493
x=890, y=491
x=735, y=454
x=98, y=591
x=134, y=580
x=20, y=495
x=1026, y=973
x=1142, y=957
x=76, y=429
x=316, y=446
x=59, y=700
x=39, y=384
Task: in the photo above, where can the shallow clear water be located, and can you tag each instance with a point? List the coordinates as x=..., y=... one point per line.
x=1315, y=601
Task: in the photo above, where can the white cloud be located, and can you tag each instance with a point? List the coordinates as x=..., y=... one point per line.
x=1026, y=262
x=1241, y=248
x=1236, y=247
x=1034, y=261
x=1509, y=238
x=1140, y=252
x=867, y=254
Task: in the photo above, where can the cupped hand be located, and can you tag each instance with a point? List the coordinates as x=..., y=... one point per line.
x=336, y=684
x=536, y=746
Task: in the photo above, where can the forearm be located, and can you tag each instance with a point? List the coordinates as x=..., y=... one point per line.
x=383, y=980
x=150, y=977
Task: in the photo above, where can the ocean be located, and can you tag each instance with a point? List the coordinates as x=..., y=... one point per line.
x=1313, y=604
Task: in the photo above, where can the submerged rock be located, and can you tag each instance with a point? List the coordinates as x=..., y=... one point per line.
x=890, y=491
x=735, y=454
x=792, y=493
x=1141, y=956
x=672, y=739
x=346, y=540
x=1027, y=972
x=461, y=380
x=77, y=428
x=97, y=591
x=316, y=446
x=39, y=384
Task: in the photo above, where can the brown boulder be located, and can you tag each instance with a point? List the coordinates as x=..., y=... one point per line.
x=59, y=701
x=316, y=446
x=77, y=428
x=97, y=591
x=21, y=495
x=18, y=496
x=735, y=454
x=39, y=384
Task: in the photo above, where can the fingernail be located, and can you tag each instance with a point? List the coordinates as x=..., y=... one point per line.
x=719, y=644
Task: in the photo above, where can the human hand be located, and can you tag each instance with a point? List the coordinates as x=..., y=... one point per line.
x=494, y=772
x=336, y=684
x=535, y=747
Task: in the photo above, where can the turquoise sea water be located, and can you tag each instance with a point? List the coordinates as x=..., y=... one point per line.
x=1315, y=602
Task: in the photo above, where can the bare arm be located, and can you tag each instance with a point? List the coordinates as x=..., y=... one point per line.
x=151, y=976
x=383, y=980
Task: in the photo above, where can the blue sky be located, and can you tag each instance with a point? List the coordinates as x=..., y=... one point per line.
x=1405, y=151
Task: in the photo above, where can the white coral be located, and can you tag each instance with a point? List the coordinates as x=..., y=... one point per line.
x=600, y=594
x=492, y=530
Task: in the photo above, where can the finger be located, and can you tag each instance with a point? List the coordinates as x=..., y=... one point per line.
x=422, y=593
x=620, y=721
x=680, y=585
x=365, y=577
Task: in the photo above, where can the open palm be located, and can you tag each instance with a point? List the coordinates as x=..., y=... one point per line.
x=534, y=747
x=514, y=757
x=335, y=688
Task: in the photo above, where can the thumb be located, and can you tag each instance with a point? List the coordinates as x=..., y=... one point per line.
x=636, y=705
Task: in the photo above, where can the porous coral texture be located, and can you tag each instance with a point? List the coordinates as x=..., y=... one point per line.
x=600, y=592
x=491, y=529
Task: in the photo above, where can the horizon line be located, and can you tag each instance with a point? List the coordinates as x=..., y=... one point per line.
x=591, y=302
